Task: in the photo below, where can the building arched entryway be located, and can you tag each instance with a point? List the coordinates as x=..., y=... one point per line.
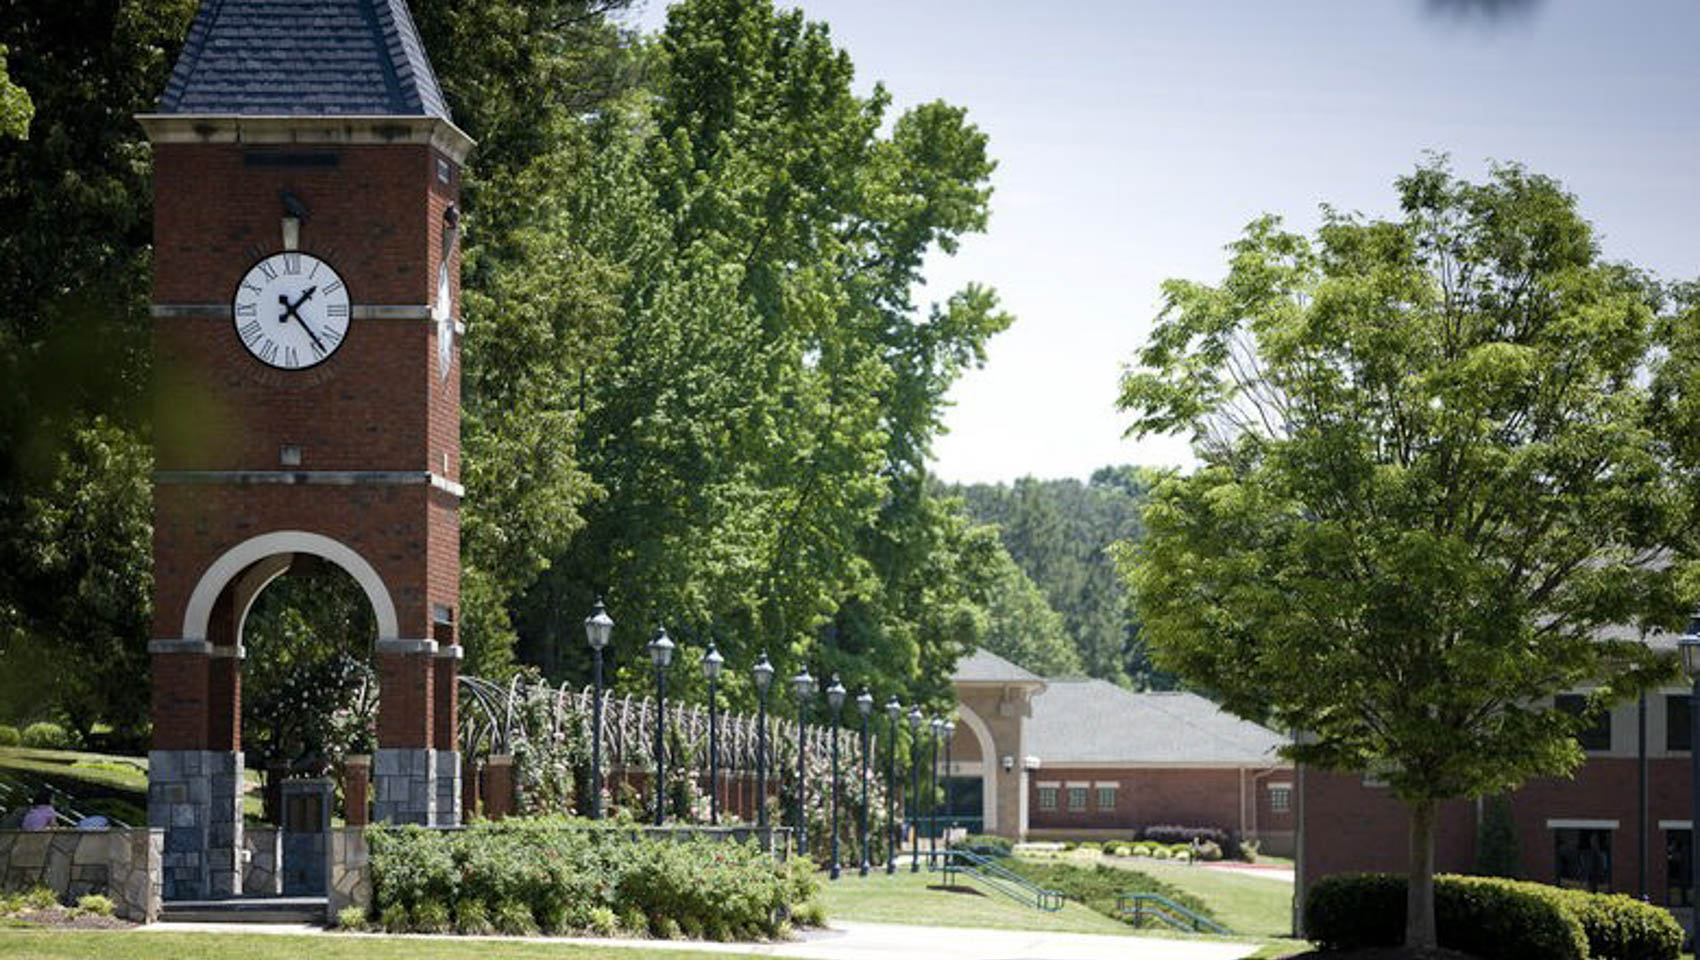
x=970, y=785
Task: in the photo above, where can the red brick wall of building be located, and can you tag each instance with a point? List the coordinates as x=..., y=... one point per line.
x=1349, y=827
x=1194, y=797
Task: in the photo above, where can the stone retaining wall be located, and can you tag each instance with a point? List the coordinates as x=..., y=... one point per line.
x=122, y=865
x=262, y=868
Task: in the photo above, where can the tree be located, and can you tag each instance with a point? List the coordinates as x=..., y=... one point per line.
x=1022, y=627
x=16, y=108
x=1427, y=481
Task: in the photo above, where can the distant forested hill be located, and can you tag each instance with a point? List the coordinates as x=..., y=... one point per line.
x=1058, y=533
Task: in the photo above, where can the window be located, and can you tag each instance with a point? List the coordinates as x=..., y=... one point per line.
x=1076, y=799
x=1106, y=796
x=1584, y=858
x=1048, y=798
x=1280, y=798
x=1595, y=737
x=1679, y=848
x=1676, y=722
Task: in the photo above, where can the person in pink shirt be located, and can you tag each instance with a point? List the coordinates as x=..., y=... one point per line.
x=42, y=816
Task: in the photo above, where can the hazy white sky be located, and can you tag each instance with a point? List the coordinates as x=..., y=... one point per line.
x=1136, y=139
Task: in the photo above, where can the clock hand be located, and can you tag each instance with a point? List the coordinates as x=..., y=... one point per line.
x=289, y=310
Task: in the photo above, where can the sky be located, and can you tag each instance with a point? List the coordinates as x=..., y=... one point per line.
x=1136, y=139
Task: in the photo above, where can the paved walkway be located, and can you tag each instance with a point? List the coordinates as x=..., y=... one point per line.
x=849, y=940
x=1261, y=871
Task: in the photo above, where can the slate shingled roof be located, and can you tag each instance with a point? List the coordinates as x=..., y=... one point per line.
x=304, y=58
x=983, y=666
x=1091, y=721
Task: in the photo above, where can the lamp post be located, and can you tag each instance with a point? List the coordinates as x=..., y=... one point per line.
x=933, y=796
x=763, y=674
x=711, y=664
x=915, y=720
x=597, y=629
x=1689, y=644
x=949, y=771
x=803, y=686
x=835, y=700
x=864, y=706
x=894, y=713
x=660, y=654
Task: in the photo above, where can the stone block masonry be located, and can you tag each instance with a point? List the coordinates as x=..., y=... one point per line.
x=195, y=799
x=406, y=782
x=122, y=865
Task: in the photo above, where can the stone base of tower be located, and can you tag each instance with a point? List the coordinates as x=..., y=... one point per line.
x=405, y=779
x=448, y=788
x=195, y=796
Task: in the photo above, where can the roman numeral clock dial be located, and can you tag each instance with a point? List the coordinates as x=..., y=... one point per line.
x=291, y=311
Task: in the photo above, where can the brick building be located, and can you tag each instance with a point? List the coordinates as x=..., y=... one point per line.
x=1590, y=831
x=1085, y=758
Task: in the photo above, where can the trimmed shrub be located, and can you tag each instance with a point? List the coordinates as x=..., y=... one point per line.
x=1623, y=928
x=985, y=845
x=393, y=918
x=666, y=928
x=513, y=918
x=40, y=898
x=351, y=918
x=1171, y=834
x=431, y=916
x=472, y=917
x=96, y=904
x=9, y=736
x=1483, y=916
x=1208, y=851
x=603, y=922
x=48, y=736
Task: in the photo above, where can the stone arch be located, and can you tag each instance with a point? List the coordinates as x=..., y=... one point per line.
x=239, y=558
x=988, y=766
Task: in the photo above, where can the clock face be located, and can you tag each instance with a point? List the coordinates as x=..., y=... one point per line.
x=291, y=311
x=445, y=316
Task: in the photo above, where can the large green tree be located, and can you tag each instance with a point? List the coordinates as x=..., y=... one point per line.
x=1427, y=482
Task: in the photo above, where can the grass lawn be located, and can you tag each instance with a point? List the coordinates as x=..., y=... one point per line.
x=80, y=773
x=65, y=945
x=919, y=898
x=1245, y=905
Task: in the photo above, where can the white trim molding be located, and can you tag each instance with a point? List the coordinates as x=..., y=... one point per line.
x=1676, y=824
x=238, y=558
x=1581, y=824
x=987, y=773
x=304, y=131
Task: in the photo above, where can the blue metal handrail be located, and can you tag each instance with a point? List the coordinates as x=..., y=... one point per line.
x=1139, y=906
x=994, y=875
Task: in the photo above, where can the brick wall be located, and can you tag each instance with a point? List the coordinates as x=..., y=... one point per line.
x=1198, y=797
x=1350, y=827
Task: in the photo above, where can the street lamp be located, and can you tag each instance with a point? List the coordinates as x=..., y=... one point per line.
x=835, y=700
x=711, y=664
x=803, y=686
x=864, y=706
x=598, y=627
x=915, y=720
x=933, y=797
x=949, y=770
x=893, y=713
x=1689, y=644
x=763, y=674
x=660, y=654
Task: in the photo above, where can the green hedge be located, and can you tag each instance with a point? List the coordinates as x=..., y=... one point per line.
x=9, y=736
x=985, y=845
x=48, y=736
x=558, y=875
x=1493, y=918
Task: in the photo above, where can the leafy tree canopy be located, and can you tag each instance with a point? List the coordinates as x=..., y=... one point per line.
x=1429, y=484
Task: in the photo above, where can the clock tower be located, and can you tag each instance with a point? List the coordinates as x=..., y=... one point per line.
x=306, y=360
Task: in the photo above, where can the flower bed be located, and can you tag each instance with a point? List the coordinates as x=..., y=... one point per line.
x=554, y=875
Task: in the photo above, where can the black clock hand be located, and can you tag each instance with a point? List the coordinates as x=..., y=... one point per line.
x=289, y=310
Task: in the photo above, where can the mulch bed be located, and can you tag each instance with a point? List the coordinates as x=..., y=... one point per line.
x=65, y=918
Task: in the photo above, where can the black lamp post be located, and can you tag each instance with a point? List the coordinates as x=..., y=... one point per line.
x=597, y=629
x=763, y=673
x=660, y=654
x=894, y=713
x=864, y=706
x=915, y=720
x=803, y=686
x=1689, y=644
x=835, y=700
x=949, y=770
x=933, y=796
x=711, y=664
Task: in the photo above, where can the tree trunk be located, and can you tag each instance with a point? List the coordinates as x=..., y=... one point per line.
x=1419, y=895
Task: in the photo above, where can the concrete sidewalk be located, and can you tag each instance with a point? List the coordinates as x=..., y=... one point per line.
x=848, y=940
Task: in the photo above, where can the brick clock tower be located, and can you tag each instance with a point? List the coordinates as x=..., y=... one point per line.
x=305, y=306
